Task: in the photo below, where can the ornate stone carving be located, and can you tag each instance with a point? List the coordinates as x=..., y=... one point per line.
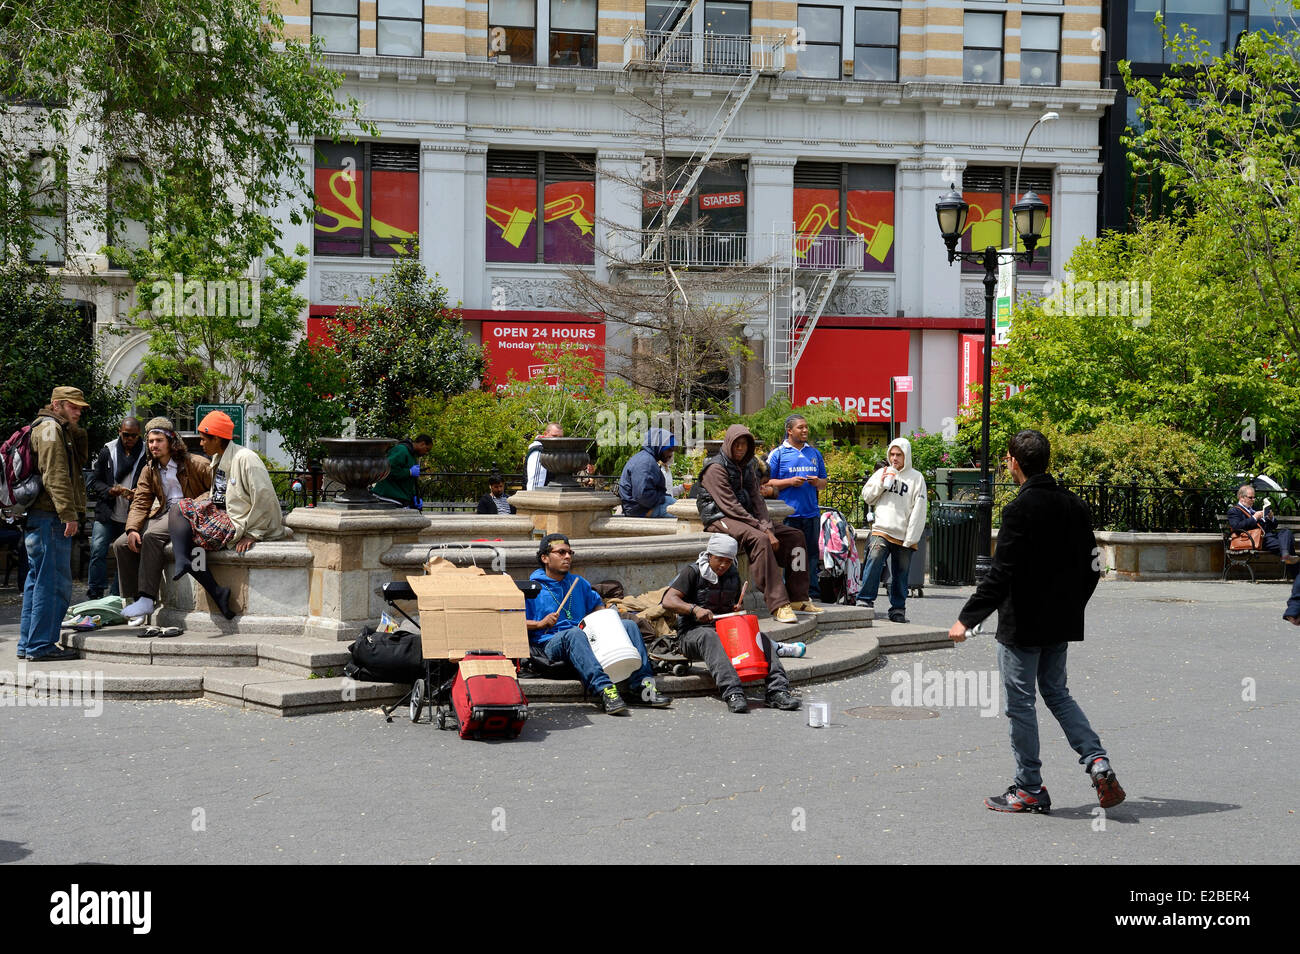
x=337, y=287
x=972, y=302
x=528, y=293
x=859, y=300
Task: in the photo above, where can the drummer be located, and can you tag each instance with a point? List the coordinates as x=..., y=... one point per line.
x=553, y=629
x=707, y=588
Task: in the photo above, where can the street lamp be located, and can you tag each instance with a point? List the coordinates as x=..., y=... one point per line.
x=1030, y=216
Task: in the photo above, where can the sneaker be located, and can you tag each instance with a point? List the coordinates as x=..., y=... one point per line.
x=736, y=702
x=57, y=654
x=807, y=606
x=612, y=702
x=649, y=695
x=782, y=699
x=1291, y=558
x=1018, y=800
x=792, y=650
x=1104, y=781
x=896, y=616
x=785, y=615
x=1293, y=620
x=865, y=604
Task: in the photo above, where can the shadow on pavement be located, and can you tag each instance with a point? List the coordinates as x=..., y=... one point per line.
x=1131, y=810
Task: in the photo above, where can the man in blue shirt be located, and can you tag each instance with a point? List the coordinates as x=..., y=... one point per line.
x=798, y=472
x=555, y=631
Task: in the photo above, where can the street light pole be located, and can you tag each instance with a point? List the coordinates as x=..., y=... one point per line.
x=1030, y=215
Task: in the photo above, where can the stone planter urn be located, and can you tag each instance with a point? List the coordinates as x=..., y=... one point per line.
x=563, y=457
x=356, y=463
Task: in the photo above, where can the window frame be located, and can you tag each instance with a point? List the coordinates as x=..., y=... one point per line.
x=876, y=46
x=57, y=210
x=366, y=170
x=494, y=25
x=594, y=34
x=380, y=18
x=117, y=171
x=1057, y=51
x=1001, y=49
x=339, y=16
x=838, y=43
x=541, y=181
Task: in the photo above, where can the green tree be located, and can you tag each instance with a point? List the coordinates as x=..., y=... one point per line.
x=300, y=398
x=399, y=342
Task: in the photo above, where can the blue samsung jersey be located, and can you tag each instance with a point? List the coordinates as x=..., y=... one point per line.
x=786, y=461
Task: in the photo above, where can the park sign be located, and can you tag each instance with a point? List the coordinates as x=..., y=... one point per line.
x=234, y=411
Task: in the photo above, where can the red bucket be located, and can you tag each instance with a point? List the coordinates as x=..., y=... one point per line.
x=739, y=635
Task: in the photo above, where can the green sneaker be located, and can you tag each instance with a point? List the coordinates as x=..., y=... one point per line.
x=612, y=702
x=649, y=695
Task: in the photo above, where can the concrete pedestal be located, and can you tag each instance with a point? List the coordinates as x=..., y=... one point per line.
x=346, y=572
x=570, y=512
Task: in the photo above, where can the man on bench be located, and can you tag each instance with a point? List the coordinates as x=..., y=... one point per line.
x=1243, y=517
x=553, y=629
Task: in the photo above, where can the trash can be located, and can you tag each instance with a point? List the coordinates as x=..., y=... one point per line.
x=956, y=536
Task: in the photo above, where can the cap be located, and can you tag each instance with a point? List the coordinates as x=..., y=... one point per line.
x=71, y=395
x=159, y=424
x=217, y=424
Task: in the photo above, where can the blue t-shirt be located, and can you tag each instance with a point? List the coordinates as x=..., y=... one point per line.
x=786, y=461
x=583, y=601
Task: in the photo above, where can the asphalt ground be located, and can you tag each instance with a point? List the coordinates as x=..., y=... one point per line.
x=1192, y=686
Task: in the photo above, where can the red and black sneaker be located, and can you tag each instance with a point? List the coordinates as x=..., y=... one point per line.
x=1109, y=794
x=1016, y=799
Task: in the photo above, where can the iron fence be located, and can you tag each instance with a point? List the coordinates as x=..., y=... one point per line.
x=445, y=492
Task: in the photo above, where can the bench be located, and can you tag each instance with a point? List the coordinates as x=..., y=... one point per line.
x=1252, y=558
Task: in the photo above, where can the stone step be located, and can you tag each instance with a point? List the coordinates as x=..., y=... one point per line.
x=291, y=655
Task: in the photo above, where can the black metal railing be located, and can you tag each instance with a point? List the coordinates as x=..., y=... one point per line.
x=444, y=492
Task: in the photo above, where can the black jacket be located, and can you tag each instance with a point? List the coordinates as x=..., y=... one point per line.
x=1044, y=570
x=487, y=506
x=102, y=478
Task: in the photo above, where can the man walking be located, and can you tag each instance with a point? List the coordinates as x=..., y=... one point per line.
x=1044, y=572
x=53, y=519
x=898, y=493
x=117, y=468
x=797, y=472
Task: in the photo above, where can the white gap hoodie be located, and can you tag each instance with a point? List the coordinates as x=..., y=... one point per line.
x=900, y=501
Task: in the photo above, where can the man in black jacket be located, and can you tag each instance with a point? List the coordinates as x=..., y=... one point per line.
x=117, y=468
x=1044, y=571
x=1243, y=517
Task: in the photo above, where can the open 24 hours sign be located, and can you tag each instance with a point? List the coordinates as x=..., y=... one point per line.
x=513, y=346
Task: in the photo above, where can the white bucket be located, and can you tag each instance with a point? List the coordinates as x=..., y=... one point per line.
x=613, y=650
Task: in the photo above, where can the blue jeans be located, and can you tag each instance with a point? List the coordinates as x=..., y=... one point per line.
x=1293, y=604
x=661, y=510
x=97, y=574
x=878, y=548
x=47, y=593
x=572, y=646
x=810, y=527
x=1021, y=668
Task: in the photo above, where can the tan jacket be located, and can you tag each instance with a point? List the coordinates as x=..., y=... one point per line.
x=150, y=500
x=251, y=501
x=61, y=452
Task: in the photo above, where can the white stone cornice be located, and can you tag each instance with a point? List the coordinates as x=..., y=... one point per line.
x=443, y=146
x=927, y=165
x=617, y=155
x=777, y=161
x=1088, y=170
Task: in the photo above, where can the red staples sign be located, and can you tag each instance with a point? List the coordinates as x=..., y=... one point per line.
x=853, y=366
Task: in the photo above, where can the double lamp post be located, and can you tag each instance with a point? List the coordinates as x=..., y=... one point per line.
x=1030, y=218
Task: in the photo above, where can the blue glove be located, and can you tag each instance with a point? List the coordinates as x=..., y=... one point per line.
x=415, y=471
x=418, y=503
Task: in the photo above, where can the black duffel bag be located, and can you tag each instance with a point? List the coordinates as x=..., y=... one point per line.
x=386, y=657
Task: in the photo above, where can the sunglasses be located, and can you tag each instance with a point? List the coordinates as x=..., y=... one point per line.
x=562, y=552
x=131, y=434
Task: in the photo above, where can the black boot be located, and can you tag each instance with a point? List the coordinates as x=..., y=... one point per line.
x=220, y=594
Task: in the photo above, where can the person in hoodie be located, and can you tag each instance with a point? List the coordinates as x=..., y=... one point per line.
x=553, y=630
x=897, y=492
x=641, y=486
x=117, y=468
x=730, y=502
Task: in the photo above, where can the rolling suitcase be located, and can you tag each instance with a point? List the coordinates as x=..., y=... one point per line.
x=487, y=697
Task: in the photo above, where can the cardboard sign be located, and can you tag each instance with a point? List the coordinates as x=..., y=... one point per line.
x=463, y=608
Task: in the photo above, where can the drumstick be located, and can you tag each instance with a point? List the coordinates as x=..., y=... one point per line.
x=741, y=600
x=566, y=597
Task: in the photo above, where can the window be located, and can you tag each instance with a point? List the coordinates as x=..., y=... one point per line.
x=512, y=30
x=127, y=193
x=661, y=17
x=367, y=198
x=573, y=33
x=563, y=186
x=875, y=45
x=726, y=38
x=1040, y=51
x=821, y=32
x=982, y=55
x=834, y=199
x=336, y=22
x=716, y=210
x=988, y=191
x=401, y=28
x=47, y=211
x=1209, y=18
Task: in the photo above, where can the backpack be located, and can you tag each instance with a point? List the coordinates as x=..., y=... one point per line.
x=839, y=571
x=20, y=477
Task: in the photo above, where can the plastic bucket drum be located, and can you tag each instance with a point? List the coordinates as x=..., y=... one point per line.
x=614, y=651
x=739, y=635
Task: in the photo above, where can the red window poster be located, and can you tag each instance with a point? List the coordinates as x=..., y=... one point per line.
x=853, y=366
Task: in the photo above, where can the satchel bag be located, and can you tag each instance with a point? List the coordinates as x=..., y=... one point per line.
x=212, y=527
x=1247, y=540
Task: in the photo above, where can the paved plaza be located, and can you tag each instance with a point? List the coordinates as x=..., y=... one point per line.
x=1192, y=686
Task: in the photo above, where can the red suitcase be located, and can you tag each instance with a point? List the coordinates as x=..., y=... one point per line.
x=488, y=704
